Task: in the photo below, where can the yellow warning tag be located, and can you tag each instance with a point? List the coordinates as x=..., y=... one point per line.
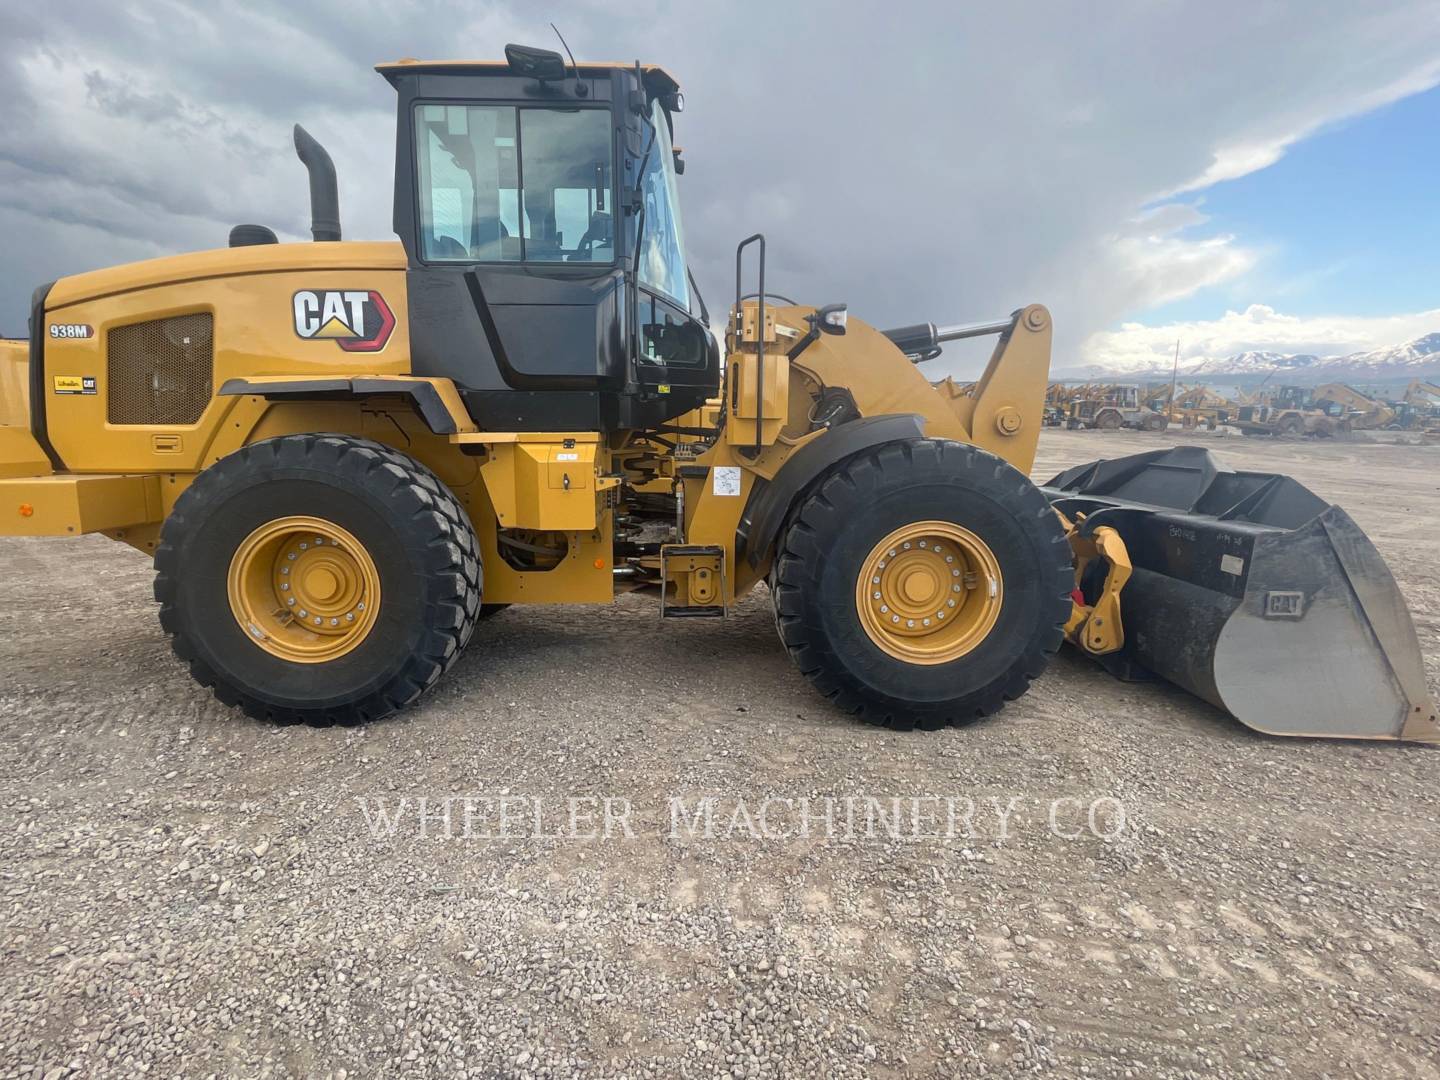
x=69, y=384
x=663, y=388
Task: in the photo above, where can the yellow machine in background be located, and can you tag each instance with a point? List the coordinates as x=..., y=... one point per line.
x=343, y=455
x=1288, y=410
x=1113, y=407
x=1195, y=406
x=1419, y=408
x=1360, y=412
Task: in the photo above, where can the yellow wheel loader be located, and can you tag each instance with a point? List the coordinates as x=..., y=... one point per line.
x=1354, y=410
x=342, y=456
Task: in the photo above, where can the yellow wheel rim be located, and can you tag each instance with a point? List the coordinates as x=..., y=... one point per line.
x=304, y=589
x=929, y=592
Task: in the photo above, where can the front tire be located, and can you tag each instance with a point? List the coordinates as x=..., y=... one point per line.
x=979, y=533
x=318, y=578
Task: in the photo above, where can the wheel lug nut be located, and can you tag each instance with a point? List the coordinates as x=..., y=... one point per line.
x=290, y=600
x=334, y=622
x=318, y=620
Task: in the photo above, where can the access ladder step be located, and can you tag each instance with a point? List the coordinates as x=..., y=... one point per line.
x=696, y=572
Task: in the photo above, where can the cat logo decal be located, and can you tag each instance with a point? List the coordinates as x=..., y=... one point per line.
x=358, y=320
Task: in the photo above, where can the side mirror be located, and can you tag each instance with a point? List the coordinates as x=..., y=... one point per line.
x=831, y=318
x=544, y=64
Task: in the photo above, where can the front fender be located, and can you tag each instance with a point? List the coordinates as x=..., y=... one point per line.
x=770, y=502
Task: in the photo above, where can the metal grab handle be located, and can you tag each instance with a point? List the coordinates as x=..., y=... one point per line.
x=760, y=331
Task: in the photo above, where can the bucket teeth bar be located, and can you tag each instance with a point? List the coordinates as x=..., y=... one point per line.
x=1248, y=590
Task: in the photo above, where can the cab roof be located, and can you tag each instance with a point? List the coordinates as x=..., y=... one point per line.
x=657, y=79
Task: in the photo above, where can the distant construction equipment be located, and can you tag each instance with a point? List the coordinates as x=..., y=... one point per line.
x=1359, y=410
x=1111, y=408
x=1419, y=408
x=1289, y=411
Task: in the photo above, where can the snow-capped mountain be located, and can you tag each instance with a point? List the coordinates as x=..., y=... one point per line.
x=1247, y=362
x=1422, y=352
x=1413, y=359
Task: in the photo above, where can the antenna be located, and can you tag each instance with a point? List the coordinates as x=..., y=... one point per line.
x=1174, y=374
x=581, y=90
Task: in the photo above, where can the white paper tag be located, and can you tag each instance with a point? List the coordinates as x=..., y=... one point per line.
x=727, y=480
x=567, y=457
x=1232, y=564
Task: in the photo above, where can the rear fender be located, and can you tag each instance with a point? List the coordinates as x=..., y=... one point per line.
x=436, y=401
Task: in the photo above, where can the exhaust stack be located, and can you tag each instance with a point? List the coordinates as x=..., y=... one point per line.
x=324, y=193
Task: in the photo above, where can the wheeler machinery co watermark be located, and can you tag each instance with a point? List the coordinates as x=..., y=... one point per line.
x=881, y=819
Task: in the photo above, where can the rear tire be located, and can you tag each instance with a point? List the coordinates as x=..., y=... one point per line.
x=1109, y=420
x=832, y=539
x=387, y=517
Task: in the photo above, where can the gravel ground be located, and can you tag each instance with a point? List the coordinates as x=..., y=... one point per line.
x=186, y=892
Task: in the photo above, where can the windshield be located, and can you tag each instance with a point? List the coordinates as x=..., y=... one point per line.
x=662, y=242
x=501, y=184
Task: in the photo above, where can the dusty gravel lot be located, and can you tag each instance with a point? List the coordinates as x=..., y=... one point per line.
x=189, y=892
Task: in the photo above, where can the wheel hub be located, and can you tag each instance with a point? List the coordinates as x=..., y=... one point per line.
x=304, y=589
x=929, y=592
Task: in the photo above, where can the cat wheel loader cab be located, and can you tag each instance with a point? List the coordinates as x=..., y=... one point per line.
x=342, y=456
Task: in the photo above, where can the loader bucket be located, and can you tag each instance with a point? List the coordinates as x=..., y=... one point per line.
x=1253, y=593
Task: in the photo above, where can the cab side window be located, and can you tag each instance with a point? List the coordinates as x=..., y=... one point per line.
x=506, y=184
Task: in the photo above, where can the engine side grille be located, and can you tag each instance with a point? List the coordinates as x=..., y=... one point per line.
x=161, y=371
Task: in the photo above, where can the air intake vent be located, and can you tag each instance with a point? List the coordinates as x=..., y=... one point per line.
x=160, y=371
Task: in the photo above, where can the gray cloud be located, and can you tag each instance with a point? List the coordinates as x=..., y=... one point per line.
x=921, y=161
